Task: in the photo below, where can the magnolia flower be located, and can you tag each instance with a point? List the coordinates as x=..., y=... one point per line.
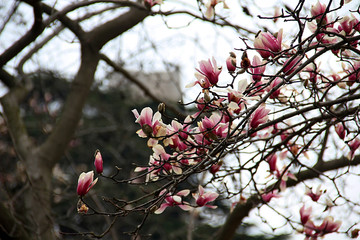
x=266, y=197
x=271, y=160
x=328, y=226
x=231, y=62
x=348, y=25
x=257, y=68
x=290, y=65
x=259, y=116
x=174, y=200
x=340, y=130
x=305, y=214
x=210, y=7
x=203, y=198
x=236, y=98
x=216, y=167
x=272, y=85
x=151, y=125
x=210, y=70
x=267, y=44
x=85, y=183
x=98, y=162
x=353, y=145
x=314, y=195
x=318, y=11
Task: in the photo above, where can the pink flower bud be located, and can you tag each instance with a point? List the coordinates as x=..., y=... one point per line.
x=340, y=130
x=231, y=62
x=98, y=162
x=85, y=183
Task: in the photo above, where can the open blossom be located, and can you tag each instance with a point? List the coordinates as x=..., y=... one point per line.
x=210, y=7
x=151, y=125
x=318, y=11
x=174, y=200
x=305, y=214
x=266, y=197
x=98, y=162
x=260, y=116
x=235, y=97
x=328, y=226
x=85, y=183
x=353, y=145
x=314, y=195
x=210, y=70
x=348, y=25
x=267, y=44
x=203, y=198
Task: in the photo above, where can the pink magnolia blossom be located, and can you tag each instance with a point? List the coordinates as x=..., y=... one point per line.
x=305, y=214
x=201, y=80
x=203, y=198
x=314, y=195
x=340, y=130
x=210, y=70
x=318, y=11
x=328, y=226
x=213, y=127
x=98, y=162
x=159, y=163
x=267, y=44
x=271, y=160
x=174, y=200
x=353, y=145
x=236, y=98
x=210, y=7
x=85, y=183
x=266, y=197
x=260, y=116
x=231, y=62
x=151, y=125
x=272, y=85
x=215, y=167
x=290, y=65
x=348, y=25
x=179, y=134
x=257, y=68
x=354, y=73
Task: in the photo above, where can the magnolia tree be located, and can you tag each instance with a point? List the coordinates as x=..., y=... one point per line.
x=254, y=135
x=284, y=110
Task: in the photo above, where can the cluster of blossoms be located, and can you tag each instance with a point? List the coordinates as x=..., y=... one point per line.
x=312, y=231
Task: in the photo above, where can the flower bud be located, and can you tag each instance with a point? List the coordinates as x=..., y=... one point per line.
x=98, y=162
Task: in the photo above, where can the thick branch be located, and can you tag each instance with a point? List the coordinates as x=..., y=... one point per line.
x=29, y=37
x=112, y=29
x=57, y=142
x=241, y=211
x=15, y=124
